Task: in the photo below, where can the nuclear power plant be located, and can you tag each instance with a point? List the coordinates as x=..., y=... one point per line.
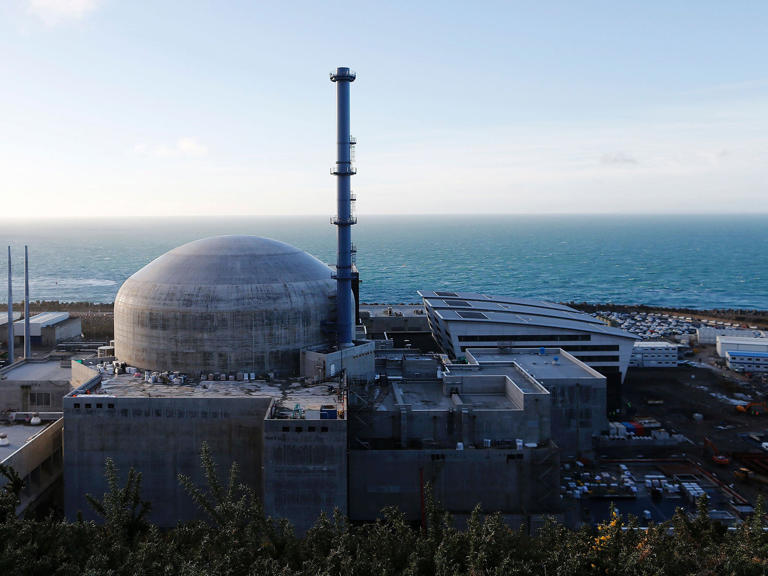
x=254, y=347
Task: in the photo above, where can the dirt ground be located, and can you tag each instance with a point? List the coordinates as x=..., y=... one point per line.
x=689, y=390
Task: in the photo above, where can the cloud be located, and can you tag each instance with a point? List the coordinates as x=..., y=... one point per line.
x=183, y=148
x=618, y=159
x=56, y=11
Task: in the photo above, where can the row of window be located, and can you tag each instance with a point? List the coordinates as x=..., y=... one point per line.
x=40, y=398
x=309, y=429
x=157, y=412
x=524, y=338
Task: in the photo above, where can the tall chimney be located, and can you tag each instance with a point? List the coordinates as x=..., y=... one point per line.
x=27, y=342
x=345, y=318
x=11, y=334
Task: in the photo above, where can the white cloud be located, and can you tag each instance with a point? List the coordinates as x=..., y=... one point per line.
x=56, y=11
x=186, y=147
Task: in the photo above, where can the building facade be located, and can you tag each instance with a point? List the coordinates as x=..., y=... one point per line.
x=464, y=320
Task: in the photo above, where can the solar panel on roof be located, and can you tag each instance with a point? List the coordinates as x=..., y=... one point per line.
x=461, y=303
x=446, y=293
x=472, y=315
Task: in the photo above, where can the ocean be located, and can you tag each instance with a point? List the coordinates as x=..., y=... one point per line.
x=675, y=261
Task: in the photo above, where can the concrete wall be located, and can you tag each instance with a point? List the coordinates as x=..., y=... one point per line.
x=578, y=413
x=161, y=438
x=406, y=426
x=358, y=362
x=81, y=373
x=305, y=469
x=38, y=463
x=70, y=329
x=23, y=395
x=511, y=481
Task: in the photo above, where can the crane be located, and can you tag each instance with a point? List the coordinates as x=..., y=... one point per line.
x=753, y=408
x=717, y=458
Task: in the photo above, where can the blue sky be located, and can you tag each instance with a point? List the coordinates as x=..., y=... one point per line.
x=174, y=108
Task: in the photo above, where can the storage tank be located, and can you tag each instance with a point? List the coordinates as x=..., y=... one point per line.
x=224, y=304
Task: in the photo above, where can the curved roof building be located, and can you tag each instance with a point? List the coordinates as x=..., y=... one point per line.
x=464, y=320
x=224, y=304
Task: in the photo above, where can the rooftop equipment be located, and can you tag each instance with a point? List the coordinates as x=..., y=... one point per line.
x=343, y=170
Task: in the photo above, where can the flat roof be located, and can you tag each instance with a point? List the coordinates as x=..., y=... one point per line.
x=742, y=354
x=289, y=394
x=384, y=309
x=426, y=396
x=45, y=318
x=655, y=344
x=33, y=371
x=4, y=317
x=18, y=435
x=742, y=340
x=553, y=363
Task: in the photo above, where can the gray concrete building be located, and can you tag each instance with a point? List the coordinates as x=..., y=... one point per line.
x=34, y=386
x=48, y=329
x=577, y=393
x=288, y=439
x=477, y=440
x=463, y=320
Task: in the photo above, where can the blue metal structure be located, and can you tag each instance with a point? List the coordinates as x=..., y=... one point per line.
x=345, y=317
x=10, y=312
x=27, y=335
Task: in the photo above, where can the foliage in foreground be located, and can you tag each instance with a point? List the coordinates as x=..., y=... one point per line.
x=237, y=538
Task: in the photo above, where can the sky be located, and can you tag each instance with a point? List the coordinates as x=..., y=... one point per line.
x=165, y=108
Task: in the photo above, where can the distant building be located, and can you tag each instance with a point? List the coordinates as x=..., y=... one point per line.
x=727, y=344
x=747, y=361
x=654, y=354
x=709, y=334
x=34, y=386
x=462, y=320
x=49, y=328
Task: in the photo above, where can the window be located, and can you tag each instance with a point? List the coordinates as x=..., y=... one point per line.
x=40, y=398
x=472, y=315
x=324, y=429
x=311, y=429
x=111, y=406
x=286, y=428
x=299, y=429
x=77, y=405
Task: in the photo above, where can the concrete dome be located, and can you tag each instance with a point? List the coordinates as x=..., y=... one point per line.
x=224, y=304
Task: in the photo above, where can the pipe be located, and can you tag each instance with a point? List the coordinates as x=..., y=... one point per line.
x=11, y=334
x=345, y=319
x=27, y=342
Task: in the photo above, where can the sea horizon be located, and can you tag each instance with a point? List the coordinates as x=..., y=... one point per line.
x=700, y=261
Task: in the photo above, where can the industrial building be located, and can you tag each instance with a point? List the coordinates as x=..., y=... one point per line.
x=727, y=344
x=747, y=361
x=49, y=328
x=462, y=320
x=251, y=346
x=654, y=354
x=709, y=334
x=29, y=386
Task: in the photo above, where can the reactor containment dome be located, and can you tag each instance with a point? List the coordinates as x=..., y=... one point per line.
x=224, y=304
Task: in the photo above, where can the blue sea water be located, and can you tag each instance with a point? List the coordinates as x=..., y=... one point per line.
x=691, y=261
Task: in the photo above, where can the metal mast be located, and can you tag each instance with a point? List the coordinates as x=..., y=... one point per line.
x=27, y=340
x=345, y=318
x=11, y=334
